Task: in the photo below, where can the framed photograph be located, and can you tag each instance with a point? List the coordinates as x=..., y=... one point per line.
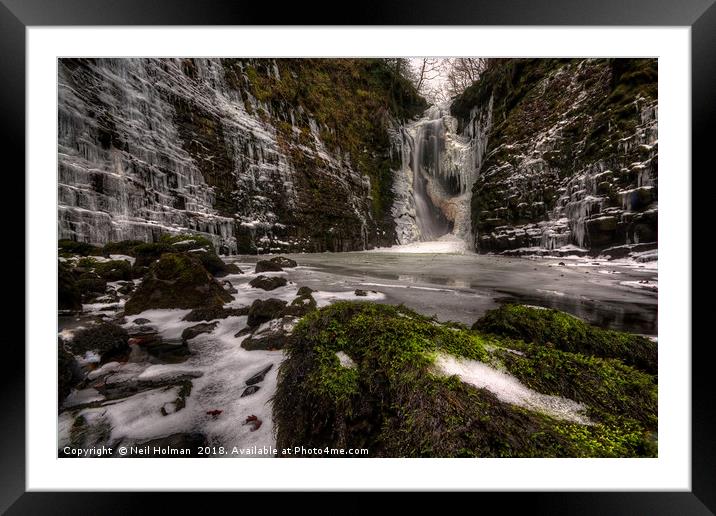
x=419, y=252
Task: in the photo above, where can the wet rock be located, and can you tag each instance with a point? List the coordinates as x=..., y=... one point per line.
x=360, y=293
x=176, y=281
x=215, y=312
x=215, y=265
x=623, y=251
x=268, y=283
x=259, y=377
x=284, y=262
x=141, y=320
x=562, y=263
x=138, y=271
x=243, y=331
x=263, y=310
x=126, y=288
x=267, y=266
x=91, y=286
x=107, y=339
x=68, y=294
x=114, y=270
x=193, y=331
x=169, y=351
x=304, y=291
x=229, y=287
x=275, y=334
x=301, y=306
x=251, y=389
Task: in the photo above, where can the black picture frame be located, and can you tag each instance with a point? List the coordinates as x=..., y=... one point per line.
x=17, y=15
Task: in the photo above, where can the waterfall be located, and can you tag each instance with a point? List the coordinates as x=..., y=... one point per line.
x=433, y=189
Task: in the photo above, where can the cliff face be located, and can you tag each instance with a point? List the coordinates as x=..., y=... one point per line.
x=257, y=154
x=570, y=157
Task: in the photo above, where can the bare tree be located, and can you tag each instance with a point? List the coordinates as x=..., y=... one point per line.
x=462, y=72
x=428, y=70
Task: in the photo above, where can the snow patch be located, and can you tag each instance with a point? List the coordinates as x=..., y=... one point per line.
x=509, y=389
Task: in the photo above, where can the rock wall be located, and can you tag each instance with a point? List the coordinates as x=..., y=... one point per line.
x=258, y=155
x=571, y=158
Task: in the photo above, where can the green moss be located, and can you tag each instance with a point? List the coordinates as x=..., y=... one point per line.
x=567, y=333
x=114, y=270
x=349, y=99
x=148, y=252
x=607, y=386
x=176, y=280
x=392, y=402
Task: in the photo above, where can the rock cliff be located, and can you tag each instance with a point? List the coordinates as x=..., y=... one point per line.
x=571, y=156
x=258, y=155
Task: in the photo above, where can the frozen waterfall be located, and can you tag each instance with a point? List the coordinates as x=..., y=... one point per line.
x=439, y=167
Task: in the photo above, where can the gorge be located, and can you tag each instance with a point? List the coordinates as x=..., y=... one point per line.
x=261, y=255
x=540, y=156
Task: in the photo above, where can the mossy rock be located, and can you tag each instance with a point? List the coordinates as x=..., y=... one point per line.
x=392, y=402
x=176, y=280
x=567, y=333
x=107, y=339
x=71, y=247
x=263, y=310
x=267, y=266
x=302, y=305
x=68, y=293
x=91, y=286
x=215, y=312
x=114, y=270
x=147, y=253
x=268, y=282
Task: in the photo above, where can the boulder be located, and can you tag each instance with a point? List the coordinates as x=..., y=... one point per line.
x=267, y=266
x=176, y=280
x=193, y=331
x=215, y=312
x=263, y=310
x=268, y=283
x=251, y=389
x=68, y=294
x=259, y=377
x=305, y=291
x=107, y=339
x=284, y=262
x=276, y=334
x=302, y=305
x=114, y=270
x=169, y=351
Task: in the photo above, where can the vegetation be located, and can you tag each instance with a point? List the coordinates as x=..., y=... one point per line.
x=176, y=280
x=107, y=339
x=565, y=332
x=393, y=403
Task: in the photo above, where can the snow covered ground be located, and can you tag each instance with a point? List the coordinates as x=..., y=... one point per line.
x=447, y=244
x=434, y=278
